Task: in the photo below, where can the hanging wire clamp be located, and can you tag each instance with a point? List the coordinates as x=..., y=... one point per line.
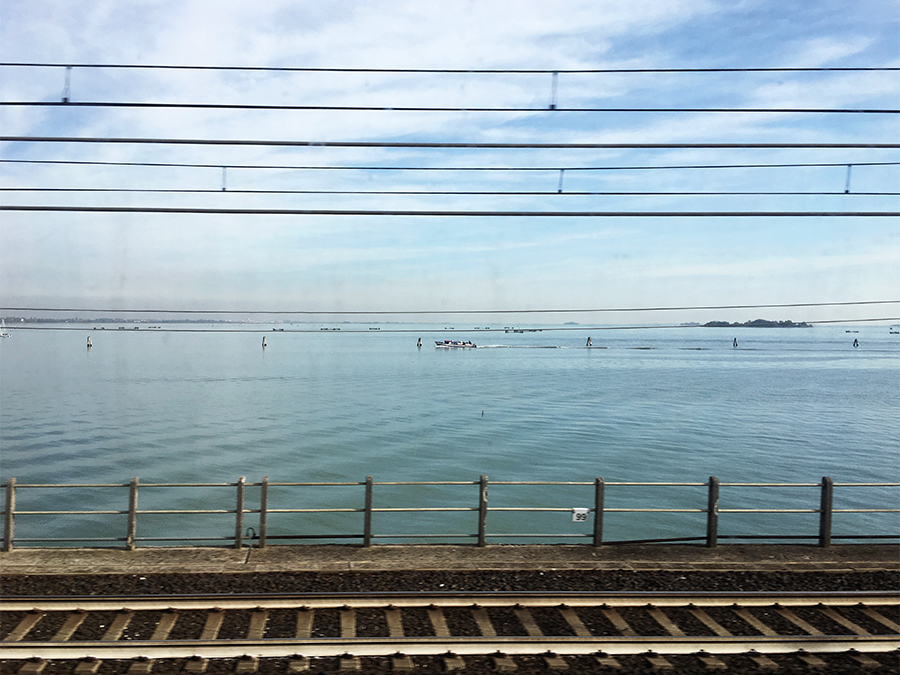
x=553, y=90
x=65, y=94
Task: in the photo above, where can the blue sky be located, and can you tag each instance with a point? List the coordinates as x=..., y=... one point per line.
x=386, y=263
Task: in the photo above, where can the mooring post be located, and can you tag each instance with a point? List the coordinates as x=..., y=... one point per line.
x=9, y=518
x=239, y=513
x=712, y=513
x=131, y=536
x=825, y=510
x=367, y=515
x=263, y=510
x=599, y=487
x=482, y=510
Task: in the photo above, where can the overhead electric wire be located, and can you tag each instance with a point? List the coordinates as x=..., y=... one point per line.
x=364, y=108
x=442, y=214
x=458, y=71
x=444, y=144
x=401, y=144
x=589, y=310
x=499, y=193
x=444, y=168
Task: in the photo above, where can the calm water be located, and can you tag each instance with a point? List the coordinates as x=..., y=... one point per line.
x=788, y=405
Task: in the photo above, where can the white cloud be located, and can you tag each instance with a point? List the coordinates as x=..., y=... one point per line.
x=823, y=51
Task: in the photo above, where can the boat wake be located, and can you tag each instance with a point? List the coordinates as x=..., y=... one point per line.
x=521, y=347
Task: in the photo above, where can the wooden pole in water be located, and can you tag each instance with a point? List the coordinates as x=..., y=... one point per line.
x=712, y=513
x=9, y=517
x=482, y=510
x=599, y=487
x=367, y=514
x=825, y=510
x=263, y=508
x=131, y=537
x=239, y=514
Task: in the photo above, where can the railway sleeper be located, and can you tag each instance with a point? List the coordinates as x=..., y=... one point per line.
x=498, y=661
x=401, y=662
x=453, y=661
x=658, y=662
x=503, y=662
x=350, y=662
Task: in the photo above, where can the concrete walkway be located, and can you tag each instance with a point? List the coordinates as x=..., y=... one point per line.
x=344, y=558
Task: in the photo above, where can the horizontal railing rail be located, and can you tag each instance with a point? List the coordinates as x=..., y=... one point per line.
x=258, y=535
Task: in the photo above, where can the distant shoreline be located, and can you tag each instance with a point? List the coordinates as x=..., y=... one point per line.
x=13, y=321
x=758, y=323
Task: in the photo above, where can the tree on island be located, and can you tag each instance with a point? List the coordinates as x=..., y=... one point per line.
x=757, y=323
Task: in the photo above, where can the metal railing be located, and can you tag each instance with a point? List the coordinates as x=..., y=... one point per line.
x=260, y=537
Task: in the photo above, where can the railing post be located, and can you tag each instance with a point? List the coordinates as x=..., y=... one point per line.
x=239, y=513
x=131, y=536
x=263, y=510
x=9, y=518
x=712, y=513
x=482, y=510
x=825, y=510
x=598, y=511
x=367, y=515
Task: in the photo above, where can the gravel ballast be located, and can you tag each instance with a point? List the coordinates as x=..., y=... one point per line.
x=487, y=580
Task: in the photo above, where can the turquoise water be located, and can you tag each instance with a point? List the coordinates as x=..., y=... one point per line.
x=787, y=405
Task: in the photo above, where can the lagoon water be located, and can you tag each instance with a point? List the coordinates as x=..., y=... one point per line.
x=209, y=404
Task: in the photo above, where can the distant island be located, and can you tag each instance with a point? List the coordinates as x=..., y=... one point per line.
x=758, y=323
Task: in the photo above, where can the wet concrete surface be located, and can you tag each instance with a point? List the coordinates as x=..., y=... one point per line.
x=344, y=558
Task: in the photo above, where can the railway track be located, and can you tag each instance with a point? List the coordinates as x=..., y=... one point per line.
x=450, y=627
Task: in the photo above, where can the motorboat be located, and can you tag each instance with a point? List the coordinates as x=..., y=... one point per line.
x=454, y=344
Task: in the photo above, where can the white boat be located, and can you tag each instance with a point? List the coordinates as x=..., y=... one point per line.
x=3, y=332
x=454, y=344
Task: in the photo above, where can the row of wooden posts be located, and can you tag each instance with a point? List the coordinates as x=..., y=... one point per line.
x=261, y=538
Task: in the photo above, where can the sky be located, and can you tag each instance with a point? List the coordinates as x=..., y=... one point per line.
x=397, y=263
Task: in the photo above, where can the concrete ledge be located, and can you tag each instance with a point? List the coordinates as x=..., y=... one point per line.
x=345, y=558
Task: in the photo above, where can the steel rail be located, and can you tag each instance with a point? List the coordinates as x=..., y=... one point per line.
x=436, y=646
x=445, y=599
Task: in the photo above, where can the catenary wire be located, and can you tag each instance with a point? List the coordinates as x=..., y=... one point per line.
x=444, y=109
x=445, y=145
x=443, y=168
x=450, y=214
x=459, y=71
x=534, y=193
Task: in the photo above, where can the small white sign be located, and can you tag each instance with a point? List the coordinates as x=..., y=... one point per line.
x=580, y=515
